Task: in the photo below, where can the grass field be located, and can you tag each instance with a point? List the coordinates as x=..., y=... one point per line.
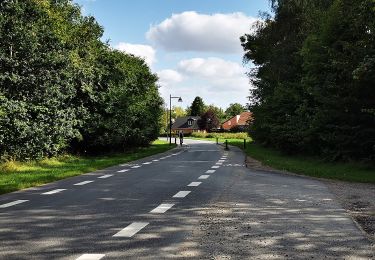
x=20, y=175
x=315, y=167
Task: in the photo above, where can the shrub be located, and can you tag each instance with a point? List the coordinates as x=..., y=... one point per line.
x=221, y=135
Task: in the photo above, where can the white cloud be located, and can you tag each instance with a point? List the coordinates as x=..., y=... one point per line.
x=191, y=31
x=211, y=67
x=169, y=77
x=217, y=81
x=219, y=74
x=144, y=51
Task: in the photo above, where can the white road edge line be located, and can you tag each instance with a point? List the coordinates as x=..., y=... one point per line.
x=194, y=184
x=203, y=177
x=105, y=176
x=162, y=208
x=131, y=230
x=210, y=171
x=155, y=160
x=83, y=183
x=125, y=170
x=53, y=191
x=90, y=257
x=181, y=194
x=6, y=205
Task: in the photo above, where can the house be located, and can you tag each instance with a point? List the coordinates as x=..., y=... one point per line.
x=187, y=124
x=239, y=121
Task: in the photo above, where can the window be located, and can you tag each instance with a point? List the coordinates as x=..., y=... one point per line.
x=190, y=122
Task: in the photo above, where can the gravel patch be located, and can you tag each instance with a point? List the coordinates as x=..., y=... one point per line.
x=358, y=199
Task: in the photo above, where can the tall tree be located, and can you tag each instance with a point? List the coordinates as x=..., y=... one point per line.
x=218, y=112
x=36, y=82
x=197, y=107
x=312, y=78
x=234, y=109
x=338, y=60
x=208, y=121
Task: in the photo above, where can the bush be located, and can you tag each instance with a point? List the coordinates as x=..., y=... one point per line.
x=221, y=135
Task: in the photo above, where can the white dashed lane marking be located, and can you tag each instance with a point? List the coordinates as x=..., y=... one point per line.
x=215, y=167
x=6, y=205
x=203, y=177
x=105, y=176
x=155, y=160
x=83, y=183
x=53, y=191
x=147, y=163
x=162, y=208
x=181, y=194
x=194, y=184
x=90, y=257
x=124, y=170
x=131, y=230
x=210, y=171
x=221, y=161
x=136, y=166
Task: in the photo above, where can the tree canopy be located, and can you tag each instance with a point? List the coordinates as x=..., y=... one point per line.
x=234, y=109
x=209, y=121
x=314, y=82
x=62, y=89
x=197, y=107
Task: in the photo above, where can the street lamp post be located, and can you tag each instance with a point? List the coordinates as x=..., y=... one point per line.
x=170, y=116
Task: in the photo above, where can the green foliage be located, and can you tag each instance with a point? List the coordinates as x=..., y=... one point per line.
x=197, y=107
x=218, y=111
x=61, y=88
x=234, y=109
x=313, y=86
x=36, y=83
x=220, y=135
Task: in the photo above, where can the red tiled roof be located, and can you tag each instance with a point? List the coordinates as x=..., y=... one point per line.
x=244, y=118
x=238, y=120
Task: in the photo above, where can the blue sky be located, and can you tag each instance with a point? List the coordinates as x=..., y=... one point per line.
x=192, y=45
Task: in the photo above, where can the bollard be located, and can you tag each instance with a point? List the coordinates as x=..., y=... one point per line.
x=244, y=143
x=226, y=145
x=217, y=140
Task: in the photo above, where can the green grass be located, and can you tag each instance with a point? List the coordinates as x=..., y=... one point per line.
x=20, y=175
x=351, y=172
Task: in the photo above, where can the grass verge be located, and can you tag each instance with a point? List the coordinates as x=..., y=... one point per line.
x=351, y=172
x=20, y=175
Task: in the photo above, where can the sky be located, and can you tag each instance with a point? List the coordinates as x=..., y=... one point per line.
x=192, y=45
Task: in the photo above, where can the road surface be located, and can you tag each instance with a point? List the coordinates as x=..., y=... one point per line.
x=194, y=202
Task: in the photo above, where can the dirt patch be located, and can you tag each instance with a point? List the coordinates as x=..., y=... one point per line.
x=358, y=199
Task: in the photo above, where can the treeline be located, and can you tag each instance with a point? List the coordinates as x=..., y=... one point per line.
x=315, y=78
x=211, y=116
x=62, y=89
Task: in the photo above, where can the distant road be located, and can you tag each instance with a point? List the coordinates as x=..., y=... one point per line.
x=195, y=202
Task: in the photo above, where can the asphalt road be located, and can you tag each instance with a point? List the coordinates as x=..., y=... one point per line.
x=195, y=202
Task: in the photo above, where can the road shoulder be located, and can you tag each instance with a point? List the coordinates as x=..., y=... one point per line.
x=355, y=198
